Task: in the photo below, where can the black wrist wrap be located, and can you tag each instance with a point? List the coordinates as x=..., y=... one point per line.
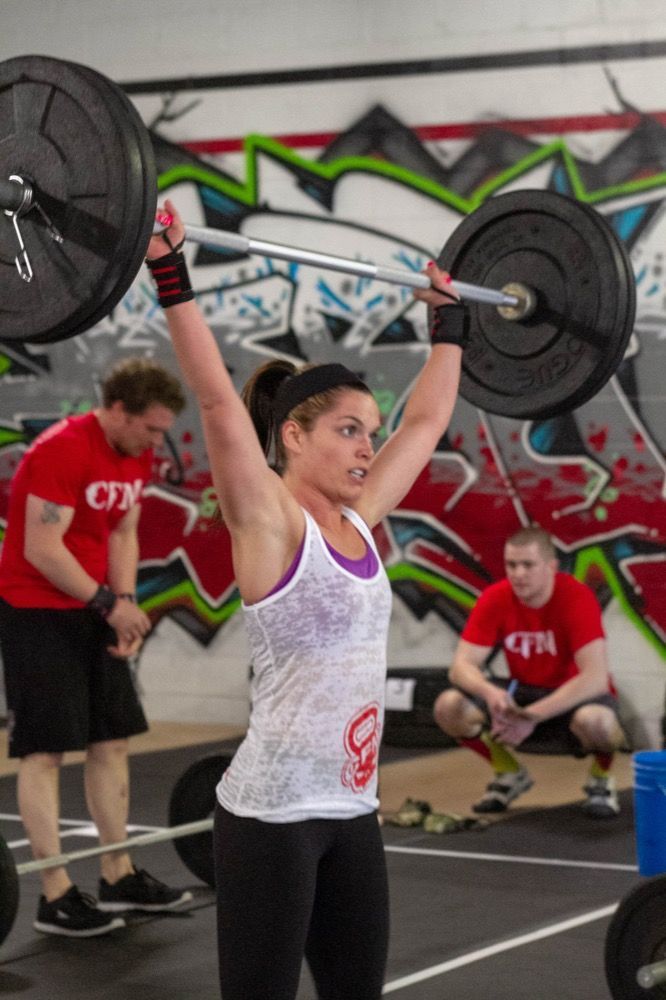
x=171, y=278
x=103, y=601
x=450, y=325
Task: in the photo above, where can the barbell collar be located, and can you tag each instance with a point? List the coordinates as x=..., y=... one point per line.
x=526, y=302
x=15, y=195
x=141, y=840
x=652, y=975
x=330, y=262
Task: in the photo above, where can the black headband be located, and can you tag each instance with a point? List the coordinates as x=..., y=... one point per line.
x=295, y=389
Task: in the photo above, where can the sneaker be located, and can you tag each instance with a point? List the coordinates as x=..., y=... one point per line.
x=601, y=801
x=74, y=914
x=140, y=891
x=503, y=790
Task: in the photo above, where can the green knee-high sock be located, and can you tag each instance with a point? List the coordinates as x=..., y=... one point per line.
x=501, y=759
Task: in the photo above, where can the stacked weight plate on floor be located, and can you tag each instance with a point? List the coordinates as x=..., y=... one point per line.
x=567, y=253
x=76, y=137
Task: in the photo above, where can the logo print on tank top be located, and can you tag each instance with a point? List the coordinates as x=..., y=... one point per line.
x=362, y=747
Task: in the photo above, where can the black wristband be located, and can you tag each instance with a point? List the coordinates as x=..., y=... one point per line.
x=103, y=601
x=172, y=279
x=450, y=325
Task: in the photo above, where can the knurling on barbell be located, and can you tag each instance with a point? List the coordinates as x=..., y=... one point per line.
x=549, y=285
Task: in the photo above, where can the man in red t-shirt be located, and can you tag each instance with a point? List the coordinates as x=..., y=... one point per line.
x=559, y=695
x=68, y=623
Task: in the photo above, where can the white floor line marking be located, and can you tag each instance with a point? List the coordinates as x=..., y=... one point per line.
x=63, y=822
x=509, y=858
x=83, y=822
x=86, y=831
x=496, y=949
x=83, y=830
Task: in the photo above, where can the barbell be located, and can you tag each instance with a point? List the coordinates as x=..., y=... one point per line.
x=191, y=806
x=550, y=286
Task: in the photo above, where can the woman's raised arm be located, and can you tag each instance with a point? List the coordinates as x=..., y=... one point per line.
x=428, y=410
x=248, y=490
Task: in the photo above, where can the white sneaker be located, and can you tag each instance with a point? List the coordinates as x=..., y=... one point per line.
x=502, y=790
x=601, y=801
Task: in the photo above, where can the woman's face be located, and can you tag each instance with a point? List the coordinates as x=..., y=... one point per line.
x=335, y=454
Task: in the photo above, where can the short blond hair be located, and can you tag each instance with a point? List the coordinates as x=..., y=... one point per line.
x=537, y=536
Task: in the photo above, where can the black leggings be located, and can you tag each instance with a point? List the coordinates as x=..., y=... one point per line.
x=317, y=889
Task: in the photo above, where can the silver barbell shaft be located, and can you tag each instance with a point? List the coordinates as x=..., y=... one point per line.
x=16, y=191
x=155, y=837
x=392, y=275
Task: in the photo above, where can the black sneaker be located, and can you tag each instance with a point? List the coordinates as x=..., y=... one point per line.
x=140, y=891
x=75, y=915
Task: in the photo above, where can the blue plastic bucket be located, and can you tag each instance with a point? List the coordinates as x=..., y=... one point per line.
x=650, y=810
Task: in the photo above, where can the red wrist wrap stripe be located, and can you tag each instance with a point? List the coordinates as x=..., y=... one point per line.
x=171, y=279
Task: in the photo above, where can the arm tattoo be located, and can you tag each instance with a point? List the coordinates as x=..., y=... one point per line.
x=50, y=513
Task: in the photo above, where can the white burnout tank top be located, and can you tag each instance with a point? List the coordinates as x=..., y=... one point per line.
x=318, y=650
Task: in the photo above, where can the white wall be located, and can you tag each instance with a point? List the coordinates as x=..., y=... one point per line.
x=199, y=37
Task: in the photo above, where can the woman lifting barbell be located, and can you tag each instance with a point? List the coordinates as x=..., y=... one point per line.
x=299, y=859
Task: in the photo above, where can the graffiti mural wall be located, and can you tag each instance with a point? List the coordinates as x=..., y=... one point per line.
x=384, y=191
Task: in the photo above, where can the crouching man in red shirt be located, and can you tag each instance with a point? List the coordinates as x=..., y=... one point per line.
x=559, y=692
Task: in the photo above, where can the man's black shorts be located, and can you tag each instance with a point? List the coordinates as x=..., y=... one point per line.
x=554, y=735
x=64, y=689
